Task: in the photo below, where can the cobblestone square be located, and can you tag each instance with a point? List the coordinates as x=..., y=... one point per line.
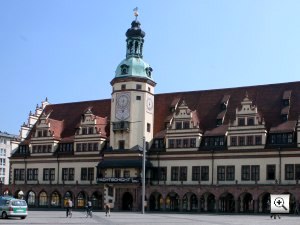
x=132, y=218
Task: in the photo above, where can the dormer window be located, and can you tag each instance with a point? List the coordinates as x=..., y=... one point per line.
x=148, y=71
x=178, y=126
x=250, y=121
x=124, y=69
x=241, y=121
x=84, y=131
x=39, y=133
x=186, y=125
x=91, y=130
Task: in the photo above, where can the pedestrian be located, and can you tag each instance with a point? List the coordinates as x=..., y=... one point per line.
x=107, y=209
x=296, y=211
x=89, y=209
x=69, y=208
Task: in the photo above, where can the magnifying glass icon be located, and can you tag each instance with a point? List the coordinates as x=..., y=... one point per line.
x=279, y=202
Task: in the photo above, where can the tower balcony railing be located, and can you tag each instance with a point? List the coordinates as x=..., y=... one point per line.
x=121, y=126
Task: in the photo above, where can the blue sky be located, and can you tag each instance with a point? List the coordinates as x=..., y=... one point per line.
x=68, y=50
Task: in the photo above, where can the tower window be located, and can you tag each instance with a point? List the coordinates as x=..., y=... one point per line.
x=138, y=87
x=148, y=127
x=123, y=86
x=124, y=69
x=138, y=97
x=148, y=71
x=122, y=144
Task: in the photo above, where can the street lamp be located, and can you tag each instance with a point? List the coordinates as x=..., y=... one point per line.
x=143, y=177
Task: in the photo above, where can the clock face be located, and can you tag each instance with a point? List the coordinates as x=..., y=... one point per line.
x=149, y=104
x=122, y=106
x=123, y=101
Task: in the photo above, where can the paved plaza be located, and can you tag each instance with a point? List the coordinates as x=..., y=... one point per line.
x=130, y=218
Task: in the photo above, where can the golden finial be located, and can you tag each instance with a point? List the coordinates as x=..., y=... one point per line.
x=135, y=12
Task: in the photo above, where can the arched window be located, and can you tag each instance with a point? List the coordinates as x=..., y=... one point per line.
x=81, y=200
x=55, y=199
x=31, y=198
x=43, y=199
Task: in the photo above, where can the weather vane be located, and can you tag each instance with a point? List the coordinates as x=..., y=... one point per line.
x=135, y=12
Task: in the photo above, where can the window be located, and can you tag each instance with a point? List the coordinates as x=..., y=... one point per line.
x=32, y=174
x=123, y=86
x=83, y=173
x=221, y=173
x=297, y=172
x=230, y=172
x=122, y=144
x=138, y=98
x=148, y=127
x=45, y=133
x=171, y=143
x=186, y=125
x=250, y=121
x=284, y=138
x=241, y=121
x=271, y=172
x=204, y=173
x=78, y=147
x=185, y=143
x=68, y=174
x=233, y=141
x=183, y=173
x=84, y=147
x=19, y=174
x=95, y=148
x=91, y=173
x=289, y=171
x=174, y=173
x=138, y=87
x=245, y=173
x=39, y=134
x=178, y=125
x=91, y=130
x=178, y=143
x=257, y=140
x=48, y=174
x=255, y=172
x=163, y=173
x=193, y=142
x=241, y=141
x=195, y=173
x=249, y=140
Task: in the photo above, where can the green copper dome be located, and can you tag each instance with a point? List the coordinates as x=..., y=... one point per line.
x=134, y=66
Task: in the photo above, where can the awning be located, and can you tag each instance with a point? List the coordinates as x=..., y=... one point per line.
x=122, y=163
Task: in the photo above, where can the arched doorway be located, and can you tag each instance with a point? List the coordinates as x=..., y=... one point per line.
x=55, y=199
x=31, y=199
x=68, y=195
x=156, y=201
x=96, y=200
x=207, y=202
x=246, y=202
x=264, y=202
x=172, y=201
x=227, y=203
x=292, y=202
x=127, y=201
x=43, y=199
x=189, y=202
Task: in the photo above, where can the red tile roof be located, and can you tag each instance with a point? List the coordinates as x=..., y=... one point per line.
x=268, y=99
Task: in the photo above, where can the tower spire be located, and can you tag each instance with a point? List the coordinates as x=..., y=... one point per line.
x=135, y=38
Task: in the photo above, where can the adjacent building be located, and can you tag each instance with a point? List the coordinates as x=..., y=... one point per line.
x=220, y=150
x=8, y=143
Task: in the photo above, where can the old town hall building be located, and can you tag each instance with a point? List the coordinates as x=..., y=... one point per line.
x=223, y=150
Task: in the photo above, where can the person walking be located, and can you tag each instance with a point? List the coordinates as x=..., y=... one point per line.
x=107, y=209
x=69, y=208
x=89, y=209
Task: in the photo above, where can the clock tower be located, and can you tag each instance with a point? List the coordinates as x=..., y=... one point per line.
x=132, y=102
